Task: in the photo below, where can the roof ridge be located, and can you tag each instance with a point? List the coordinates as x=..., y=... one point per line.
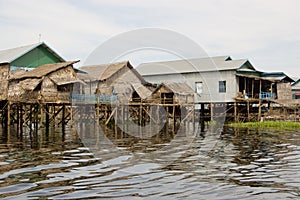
x=33, y=44
x=188, y=59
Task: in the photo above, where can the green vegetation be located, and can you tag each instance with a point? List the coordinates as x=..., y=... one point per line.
x=268, y=125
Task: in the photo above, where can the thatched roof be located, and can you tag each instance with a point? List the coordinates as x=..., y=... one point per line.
x=62, y=81
x=16, y=73
x=142, y=91
x=43, y=70
x=30, y=84
x=104, y=71
x=177, y=88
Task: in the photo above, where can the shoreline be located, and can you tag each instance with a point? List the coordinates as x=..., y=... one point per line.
x=278, y=125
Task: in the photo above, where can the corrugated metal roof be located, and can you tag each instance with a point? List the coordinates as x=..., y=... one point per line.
x=43, y=70
x=276, y=76
x=192, y=65
x=10, y=55
x=297, y=81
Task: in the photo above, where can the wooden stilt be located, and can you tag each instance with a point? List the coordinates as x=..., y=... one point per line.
x=193, y=117
x=63, y=118
x=259, y=111
x=259, y=103
x=248, y=110
x=252, y=92
x=36, y=117
x=18, y=120
x=140, y=115
x=167, y=119
x=202, y=124
x=47, y=121
x=71, y=117
x=211, y=112
x=235, y=112
x=107, y=121
x=21, y=120
x=116, y=116
x=174, y=120
x=122, y=117
x=8, y=115
x=54, y=114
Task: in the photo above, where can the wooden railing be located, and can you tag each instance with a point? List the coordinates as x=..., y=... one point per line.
x=266, y=95
x=93, y=98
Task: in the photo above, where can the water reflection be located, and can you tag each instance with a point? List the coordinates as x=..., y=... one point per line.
x=236, y=164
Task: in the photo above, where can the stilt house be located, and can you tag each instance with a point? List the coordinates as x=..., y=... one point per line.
x=173, y=93
x=219, y=79
x=50, y=83
x=119, y=79
x=16, y=60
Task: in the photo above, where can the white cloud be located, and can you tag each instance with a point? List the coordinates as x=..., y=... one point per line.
x=239, y=28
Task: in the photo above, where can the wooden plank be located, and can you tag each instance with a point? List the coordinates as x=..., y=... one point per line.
x=112, y=114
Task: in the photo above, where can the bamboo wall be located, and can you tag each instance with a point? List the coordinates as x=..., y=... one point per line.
x=45, y=89
x=4, y=73
x=284, y=91
x=120, y=84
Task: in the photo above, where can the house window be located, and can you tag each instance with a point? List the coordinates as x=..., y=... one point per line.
x=199, y=87
x=222, y=86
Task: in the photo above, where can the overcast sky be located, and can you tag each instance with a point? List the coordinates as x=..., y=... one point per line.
x=267, y=32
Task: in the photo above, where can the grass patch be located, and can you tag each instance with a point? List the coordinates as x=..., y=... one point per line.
x=268, y=125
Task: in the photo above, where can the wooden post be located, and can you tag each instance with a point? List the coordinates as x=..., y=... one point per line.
x=193, y=117
x=259, y=111
x=105, y=112
x=98, y=112
x=211, y=112
x=116, y=122
x=235, y=111
x=140, y=115
x=71, y=117
x=174, y=120
x=245, y=85
x=41, y=112
x=63, y=120
x=47, y=121
x=157, y=113
x=202, y=125
x=123, y=117
x=21, y=120
x=259, y=103
x=248, y=110
x=259, y=88
x=252, y=88
x=36, y=117
x=18, y=120
x=54, y=114
x=8, y=115
x=167, y=119
x=30, y=117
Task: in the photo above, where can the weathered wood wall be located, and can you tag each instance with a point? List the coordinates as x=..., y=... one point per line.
x=120, y=84
x=284, y=91
x=4, y=73
x=50, y=88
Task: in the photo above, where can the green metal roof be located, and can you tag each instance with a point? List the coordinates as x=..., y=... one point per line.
x=31, y=56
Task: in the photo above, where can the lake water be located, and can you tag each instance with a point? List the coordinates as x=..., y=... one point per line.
x=237, y=164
